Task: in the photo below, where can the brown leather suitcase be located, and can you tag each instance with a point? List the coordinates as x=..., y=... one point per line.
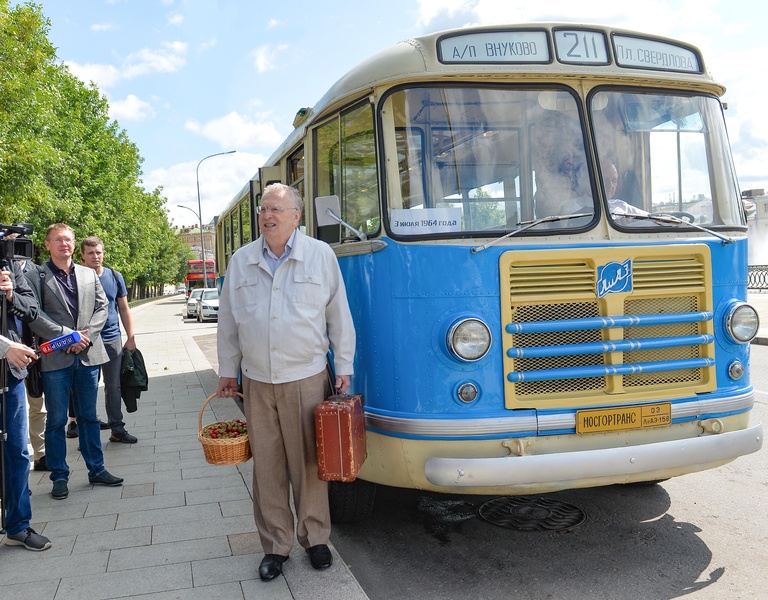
x=340, y=428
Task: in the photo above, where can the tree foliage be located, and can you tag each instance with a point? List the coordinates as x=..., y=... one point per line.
x=63, y=160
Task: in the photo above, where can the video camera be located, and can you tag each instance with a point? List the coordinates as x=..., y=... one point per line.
x=16, y=248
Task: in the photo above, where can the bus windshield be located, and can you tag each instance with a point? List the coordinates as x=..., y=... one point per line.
x=480, y=160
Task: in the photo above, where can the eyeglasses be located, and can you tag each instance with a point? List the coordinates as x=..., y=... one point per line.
x=63, y=241
x=272, y=210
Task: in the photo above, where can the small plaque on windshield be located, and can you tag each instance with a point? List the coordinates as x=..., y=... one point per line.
x=422, y=221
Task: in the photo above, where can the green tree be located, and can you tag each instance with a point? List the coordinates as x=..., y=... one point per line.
x=63, y=160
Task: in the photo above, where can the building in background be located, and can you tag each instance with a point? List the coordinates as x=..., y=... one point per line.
x=191, y=238
x=758, y=226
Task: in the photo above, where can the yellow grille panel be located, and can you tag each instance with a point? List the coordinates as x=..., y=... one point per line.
x=667, y=306
x=551, y=280
x=554, y=285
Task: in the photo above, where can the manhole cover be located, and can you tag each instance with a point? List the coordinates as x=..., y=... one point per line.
x=531, y=514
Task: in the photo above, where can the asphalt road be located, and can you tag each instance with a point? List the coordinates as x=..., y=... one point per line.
x=702, y=535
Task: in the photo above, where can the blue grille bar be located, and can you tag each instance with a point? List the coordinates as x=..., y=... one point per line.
x=607, y=370
x=608, y=322
x=607, y=346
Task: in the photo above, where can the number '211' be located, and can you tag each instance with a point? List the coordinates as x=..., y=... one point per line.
x=586, y=41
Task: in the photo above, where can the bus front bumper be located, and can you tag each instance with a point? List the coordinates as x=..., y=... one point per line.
x=602, y=464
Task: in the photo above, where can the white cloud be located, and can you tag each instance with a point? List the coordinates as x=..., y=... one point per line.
x=238, y=131
x=207, y=45
x=166, y=60
x=102, y=27
x=175, y=19
x=130, y=109
x=430, y=10
x=264, y=57
x=102, y=75
x=220, y=178
x=169, y=59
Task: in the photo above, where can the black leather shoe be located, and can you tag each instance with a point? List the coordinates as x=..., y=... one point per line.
x=41, y=464
x=320, y=556
x=60, y=489
x=271, y=566
x=106, y=478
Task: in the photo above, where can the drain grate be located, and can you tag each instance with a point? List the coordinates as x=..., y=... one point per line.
x=531, y=514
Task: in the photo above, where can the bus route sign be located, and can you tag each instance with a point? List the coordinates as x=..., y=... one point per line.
x=643, y=53
x=508, y=47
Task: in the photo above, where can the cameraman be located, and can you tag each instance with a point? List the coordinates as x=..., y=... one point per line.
x=20, y=305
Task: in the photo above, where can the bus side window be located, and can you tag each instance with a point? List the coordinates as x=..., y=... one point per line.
x=347, y=167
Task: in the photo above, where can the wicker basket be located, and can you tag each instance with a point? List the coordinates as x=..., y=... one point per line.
x=231, y=451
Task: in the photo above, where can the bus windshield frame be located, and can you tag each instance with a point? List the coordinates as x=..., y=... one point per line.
x=481, y=160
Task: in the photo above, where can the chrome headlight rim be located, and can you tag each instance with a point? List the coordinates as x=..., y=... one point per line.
x=742, y=328
x=469, y=327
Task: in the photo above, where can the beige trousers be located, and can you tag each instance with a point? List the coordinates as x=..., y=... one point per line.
x=36, y=420
x=281, y=430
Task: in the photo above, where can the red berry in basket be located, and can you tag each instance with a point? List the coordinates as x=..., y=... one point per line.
x=225, y=429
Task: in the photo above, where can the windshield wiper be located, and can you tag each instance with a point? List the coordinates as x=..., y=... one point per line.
x=525, y=225
x=670, y=220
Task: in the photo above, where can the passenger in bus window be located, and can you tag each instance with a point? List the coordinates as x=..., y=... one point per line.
x=574, y=168
x=283, y=305
x=617, y=206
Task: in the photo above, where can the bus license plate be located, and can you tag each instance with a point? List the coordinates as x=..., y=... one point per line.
x=625, y=417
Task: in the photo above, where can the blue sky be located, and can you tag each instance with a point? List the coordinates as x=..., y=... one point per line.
x=190, y=78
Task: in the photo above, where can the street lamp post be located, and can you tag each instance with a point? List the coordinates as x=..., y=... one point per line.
x=200, y=212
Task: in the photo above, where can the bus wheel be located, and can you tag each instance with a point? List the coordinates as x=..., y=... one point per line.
x=351, y=502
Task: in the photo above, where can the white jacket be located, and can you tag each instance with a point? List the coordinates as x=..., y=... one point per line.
x=279, y=329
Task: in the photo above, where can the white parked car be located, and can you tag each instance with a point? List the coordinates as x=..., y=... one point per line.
x=190, y=308
x=208, y=305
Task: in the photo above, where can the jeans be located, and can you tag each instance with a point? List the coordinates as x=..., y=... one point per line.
x=18, y=509
x=111, y=371
x=83, y=381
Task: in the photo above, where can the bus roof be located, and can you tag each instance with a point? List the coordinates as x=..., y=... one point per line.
x=421, y=59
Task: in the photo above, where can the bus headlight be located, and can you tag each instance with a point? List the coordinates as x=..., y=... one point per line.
x=742, y=323
x=469, y=339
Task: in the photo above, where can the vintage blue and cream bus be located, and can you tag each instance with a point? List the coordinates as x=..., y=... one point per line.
x=545, y=251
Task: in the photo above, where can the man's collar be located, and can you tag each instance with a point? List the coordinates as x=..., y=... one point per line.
x=263, y=247
x=69, y=266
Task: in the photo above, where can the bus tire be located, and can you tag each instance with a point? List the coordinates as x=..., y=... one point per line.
x=351, y=502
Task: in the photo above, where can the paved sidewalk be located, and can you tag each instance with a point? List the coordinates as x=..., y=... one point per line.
x=179, y=528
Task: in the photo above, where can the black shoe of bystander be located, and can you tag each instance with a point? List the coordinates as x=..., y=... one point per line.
x=41, y=464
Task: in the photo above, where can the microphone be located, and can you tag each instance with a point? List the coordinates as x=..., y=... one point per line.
x=61, y=342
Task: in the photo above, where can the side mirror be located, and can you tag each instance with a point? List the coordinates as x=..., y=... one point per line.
x=749, y=208
x=327, y=211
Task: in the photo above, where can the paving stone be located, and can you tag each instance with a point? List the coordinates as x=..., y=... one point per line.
x=179, y=528
x=170, y=553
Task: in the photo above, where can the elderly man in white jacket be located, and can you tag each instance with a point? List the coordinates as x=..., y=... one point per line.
x=282, y=306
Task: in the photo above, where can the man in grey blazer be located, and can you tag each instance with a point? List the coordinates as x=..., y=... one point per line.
x=71, y=299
